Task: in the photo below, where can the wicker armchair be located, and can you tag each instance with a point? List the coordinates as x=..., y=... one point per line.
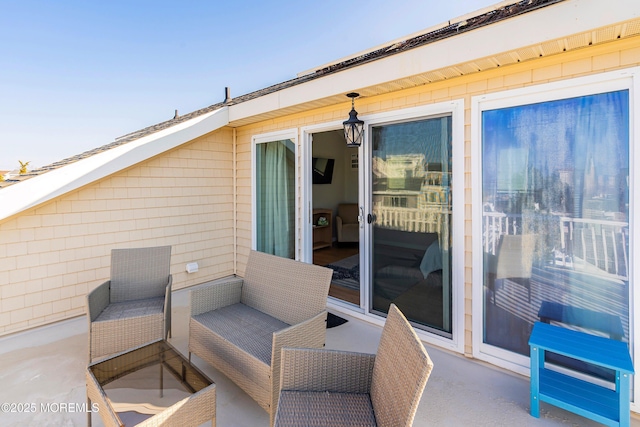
x=240, y=326
x=134, y=306
x=325, y=388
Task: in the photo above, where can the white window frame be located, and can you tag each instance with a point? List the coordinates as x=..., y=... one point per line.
x=581, y=86
x=264, y=138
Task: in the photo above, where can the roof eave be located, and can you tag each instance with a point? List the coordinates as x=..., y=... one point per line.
x=43, y=188
x=561, y=20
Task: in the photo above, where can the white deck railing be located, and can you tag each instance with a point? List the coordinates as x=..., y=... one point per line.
x=596, y=243
x=429, y=220
x=585, y=244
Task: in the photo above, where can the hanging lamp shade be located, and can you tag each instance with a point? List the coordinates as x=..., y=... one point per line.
x=353, y=127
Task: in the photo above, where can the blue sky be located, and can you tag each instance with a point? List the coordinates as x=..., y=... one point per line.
x=74, y=75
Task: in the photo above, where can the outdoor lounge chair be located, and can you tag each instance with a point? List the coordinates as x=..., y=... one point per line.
x=330, y=388
x=239, y=326
x=133, y=307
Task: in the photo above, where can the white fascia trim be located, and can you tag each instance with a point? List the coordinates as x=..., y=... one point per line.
x=560, y=20
x=436, y=27
x=42, y=188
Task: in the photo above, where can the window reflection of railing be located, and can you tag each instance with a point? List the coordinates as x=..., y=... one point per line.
x=495, y=224
x=589, y=243
x=426, y=220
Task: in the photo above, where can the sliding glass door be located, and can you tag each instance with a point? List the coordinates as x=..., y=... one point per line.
x=410, y=175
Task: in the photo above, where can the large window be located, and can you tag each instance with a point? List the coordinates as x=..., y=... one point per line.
x=274, y=190
x=555, y=218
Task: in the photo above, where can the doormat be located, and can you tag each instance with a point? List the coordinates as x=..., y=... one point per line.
x=333, y=321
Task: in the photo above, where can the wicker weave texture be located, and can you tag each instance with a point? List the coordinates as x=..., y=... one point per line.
x=124, y=315
x=288, y=290
x=97, y=301
x=247, y=372
x=308, y=334
x=139, y=273
x=246, y=346
x=323, y=409
x=400, y=372
x=97, y=396
x=114, y=336
x=245, y=328
x=213, y=296
x=146, y=268
x=191, y=411
x=321, y=381
x=335, y=371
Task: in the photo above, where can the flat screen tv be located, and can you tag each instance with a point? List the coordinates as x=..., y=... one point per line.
x=322, y=170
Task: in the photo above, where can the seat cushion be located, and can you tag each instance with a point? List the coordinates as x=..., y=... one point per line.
x=124, y=325
x=245, y=327
x=324, y=409
x=131, y=309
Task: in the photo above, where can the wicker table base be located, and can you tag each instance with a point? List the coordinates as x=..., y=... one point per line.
x=186, y=398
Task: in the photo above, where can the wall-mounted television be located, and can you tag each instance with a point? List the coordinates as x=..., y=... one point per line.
x=322, y=170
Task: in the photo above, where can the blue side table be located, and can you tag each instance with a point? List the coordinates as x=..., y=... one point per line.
x=601, y=404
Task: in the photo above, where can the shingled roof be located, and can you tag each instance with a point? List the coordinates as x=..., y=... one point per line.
x=446, y=30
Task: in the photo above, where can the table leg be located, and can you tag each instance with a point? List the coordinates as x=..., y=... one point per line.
x=537, y=361
x=88, y=412
x=161, y=380
x=624, y=395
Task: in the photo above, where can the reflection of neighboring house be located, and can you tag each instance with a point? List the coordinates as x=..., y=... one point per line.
x=433, y=193
x=414, y=194
x=401, y=183
x=410, y=182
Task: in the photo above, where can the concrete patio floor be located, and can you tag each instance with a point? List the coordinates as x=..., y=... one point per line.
x=46, y=366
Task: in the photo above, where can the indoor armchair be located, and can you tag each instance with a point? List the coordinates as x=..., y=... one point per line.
x=347, y=225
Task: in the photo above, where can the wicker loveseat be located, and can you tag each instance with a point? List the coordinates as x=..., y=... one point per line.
x=330, y=388
x=241, y=325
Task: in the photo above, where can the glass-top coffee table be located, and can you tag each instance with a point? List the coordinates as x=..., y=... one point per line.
x=133, y=388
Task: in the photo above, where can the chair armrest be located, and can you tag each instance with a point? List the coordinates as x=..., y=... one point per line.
x=167, y=307
x=97, y=300
x=326, y=370
x=308, y=334
x=215, y=295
